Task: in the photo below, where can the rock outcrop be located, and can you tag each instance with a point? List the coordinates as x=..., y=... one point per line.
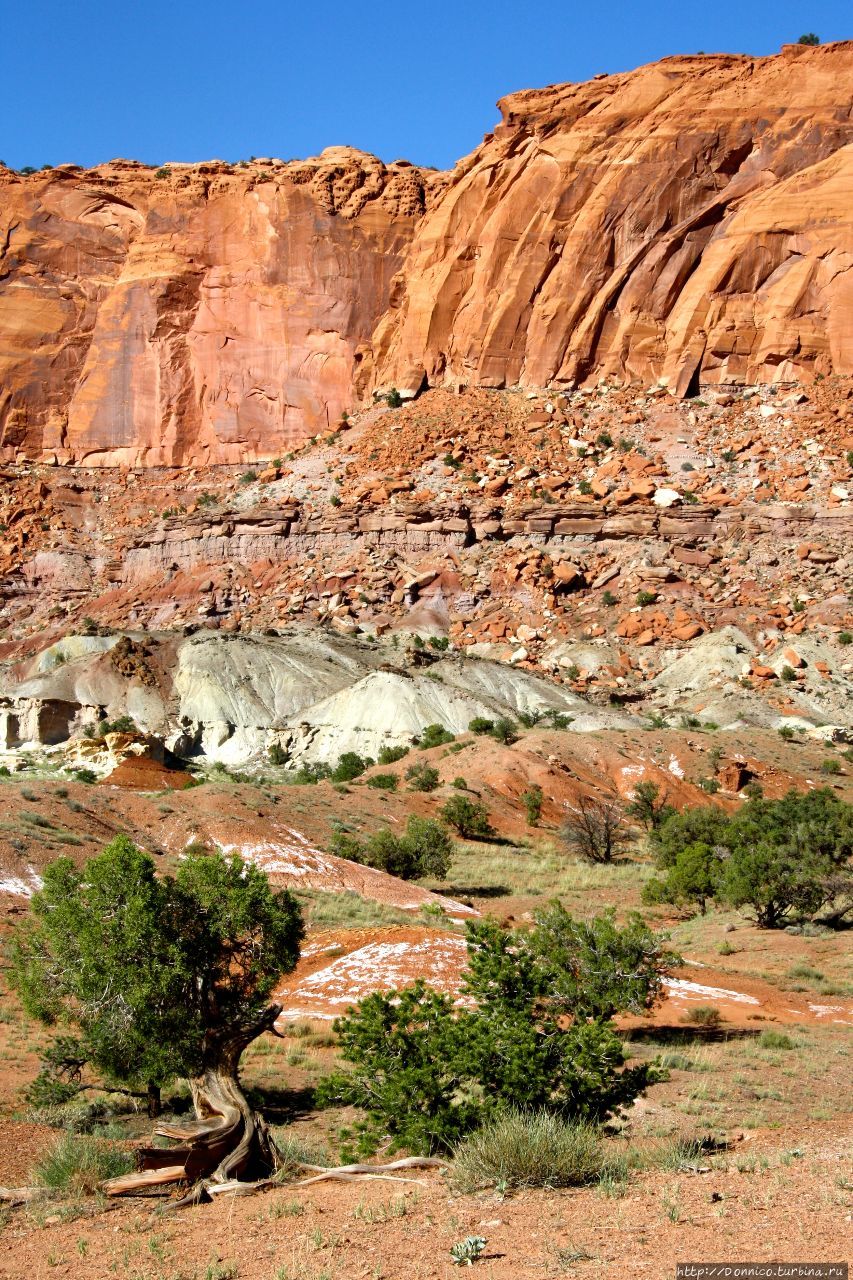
x=193, y=313
x=690, y=221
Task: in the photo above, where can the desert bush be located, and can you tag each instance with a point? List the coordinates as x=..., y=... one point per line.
x=422, y=776
x=520, y=1149
x=350, y=766
x=434, y=735
x=703, y=1015
x=78, y=1164
x=390, y=755
x=532, y=800
x=831, y=766
x=649, y=805
x=424, y=849
x=480, y=725
x=594, y=829
x=277, y=754
x=505, y=731
x=383, y=781
x=774, y=857
x=775, y=1040
x=425, y=1072
x=469, y=818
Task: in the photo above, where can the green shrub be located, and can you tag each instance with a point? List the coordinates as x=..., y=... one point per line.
x=788, y=674
x=310, y=775
x=434, y=735
x=390, y=755
x=393, y=399
x=469, y=818
x=422, y=776
x=532, y=800
x=440, y=643
x=646, y=597
x=519, y=1149
x=349, y=766
x=383, y=781
x=123, y=724
x=505, y=731
x=845, y=637
x=426, y=1073
x=831, y=765
x=609, y=599
x=786, y=732
x=277, y=754
x=480, y=725
x=775, y=1040
x=84, y=775
x=424, y=849
x=248, y=477
x=711, y=785
x=78, y=1164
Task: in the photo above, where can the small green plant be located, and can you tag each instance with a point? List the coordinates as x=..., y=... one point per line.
x=605, y=439
x=809, y=38
x=434, y=735
x=788, y=674
x=335, y=500
x=845, y=637
x=277, y=755
x=467, y=1251
x=711, y=785
x=585, y=488
x=572, y=671
x=775, y=1040
x=84, y=775
x=383, y=781
x=422, y=776
x=646, y=597
x=830, y=766
x=248, y=477
x=532, y=800
x=349, y=767
x=390, y=755
x=440, y=643
x=786, y=732
x=609, y=599
x=505, y=731
x=480, y=725
x=393, y=399
x=469, y=818
x=163, y=172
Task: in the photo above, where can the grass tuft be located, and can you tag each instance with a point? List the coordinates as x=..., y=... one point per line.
x=523, y=1149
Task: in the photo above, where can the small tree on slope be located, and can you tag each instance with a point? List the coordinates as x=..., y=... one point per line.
x=538, y=1034
x=165, y=977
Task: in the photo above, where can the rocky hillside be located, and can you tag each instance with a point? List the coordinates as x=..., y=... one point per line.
x=688, y=222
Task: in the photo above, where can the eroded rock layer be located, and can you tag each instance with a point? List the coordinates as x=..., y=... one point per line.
x=198, y=313
x=691, y=221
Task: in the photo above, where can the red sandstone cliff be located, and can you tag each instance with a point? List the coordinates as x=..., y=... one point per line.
x=691, y=221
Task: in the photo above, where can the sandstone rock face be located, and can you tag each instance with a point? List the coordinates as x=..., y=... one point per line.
x=205, y=314
x=691, y=221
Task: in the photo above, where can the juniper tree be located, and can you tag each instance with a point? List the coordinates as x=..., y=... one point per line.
x=163, y=977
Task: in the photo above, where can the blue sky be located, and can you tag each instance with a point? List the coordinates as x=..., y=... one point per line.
x=87, y=80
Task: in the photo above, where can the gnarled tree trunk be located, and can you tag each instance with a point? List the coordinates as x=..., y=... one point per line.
x=227, y=1140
